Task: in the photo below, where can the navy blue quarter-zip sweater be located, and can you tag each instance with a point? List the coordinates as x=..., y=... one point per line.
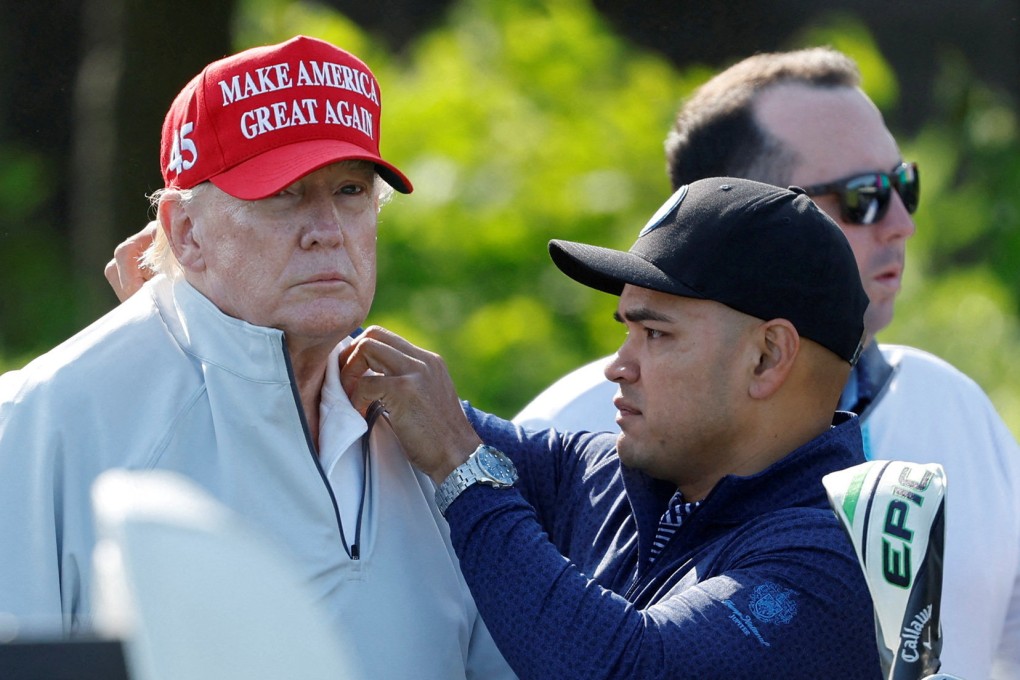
x=760, y=582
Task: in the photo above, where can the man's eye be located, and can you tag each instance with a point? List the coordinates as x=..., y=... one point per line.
x=652, y=333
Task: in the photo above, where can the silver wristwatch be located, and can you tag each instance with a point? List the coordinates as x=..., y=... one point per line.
x=485, y=466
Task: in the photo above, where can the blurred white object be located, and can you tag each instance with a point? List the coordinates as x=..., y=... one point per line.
x=196, y=593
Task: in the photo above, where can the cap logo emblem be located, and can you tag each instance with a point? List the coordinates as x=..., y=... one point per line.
x=182, y=145
x=667, y=209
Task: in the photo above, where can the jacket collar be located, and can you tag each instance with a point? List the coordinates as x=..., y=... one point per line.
x=867, y=382
x=202, y=330
x=793, y=481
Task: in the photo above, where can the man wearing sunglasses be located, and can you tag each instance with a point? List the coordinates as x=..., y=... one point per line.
x=800, y=118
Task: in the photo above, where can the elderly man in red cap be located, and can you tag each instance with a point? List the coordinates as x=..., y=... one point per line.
x=224, y=369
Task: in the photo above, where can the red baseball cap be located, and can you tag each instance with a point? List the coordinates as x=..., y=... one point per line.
x=257, y=121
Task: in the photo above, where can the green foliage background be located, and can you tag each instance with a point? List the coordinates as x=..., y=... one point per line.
x=520, y=122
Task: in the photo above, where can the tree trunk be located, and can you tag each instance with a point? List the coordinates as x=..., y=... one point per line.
x=136, y=56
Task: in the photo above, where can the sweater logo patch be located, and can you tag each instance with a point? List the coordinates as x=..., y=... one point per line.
x=772, y=604
x=769, y=603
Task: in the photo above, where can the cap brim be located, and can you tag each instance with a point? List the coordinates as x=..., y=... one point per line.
x=609, y=270
x=274, y=170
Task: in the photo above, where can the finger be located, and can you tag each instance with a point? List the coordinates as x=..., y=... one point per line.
x=352, y=360
x=424, y=410
x=125, y=283
x=343, y=355
x=125, y=272
x=133, y=279
x=405, y=347
x=353, y=365
x=382, y=352
x=367, y=357
x=434, y=432
x=411, y=382
x=352, y=369
x=112, y=277
x=126, y=280
x=370, y=389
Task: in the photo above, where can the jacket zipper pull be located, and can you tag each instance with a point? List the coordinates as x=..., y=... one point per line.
x=355, y=552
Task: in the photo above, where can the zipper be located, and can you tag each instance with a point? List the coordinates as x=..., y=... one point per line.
x=353, y=550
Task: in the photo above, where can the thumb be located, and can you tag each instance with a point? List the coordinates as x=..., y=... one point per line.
x=352, y=369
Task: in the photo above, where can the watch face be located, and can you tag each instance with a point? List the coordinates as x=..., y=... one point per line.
x=497, y=465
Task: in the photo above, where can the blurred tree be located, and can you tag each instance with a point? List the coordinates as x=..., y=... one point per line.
x=35, y=132
x=512, y=142
x=135, y=57
x=85, y=82
x=518, y=122
x=986, y=33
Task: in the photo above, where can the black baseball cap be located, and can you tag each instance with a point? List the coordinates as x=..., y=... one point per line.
x=756, y=248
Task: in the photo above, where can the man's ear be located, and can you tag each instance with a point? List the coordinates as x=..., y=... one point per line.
x=778, y=344
x=178, y=225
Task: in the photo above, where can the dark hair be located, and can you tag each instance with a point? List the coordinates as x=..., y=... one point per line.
x=715, y=133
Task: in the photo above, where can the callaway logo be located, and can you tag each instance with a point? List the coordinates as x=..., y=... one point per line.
x=911, y=635
x=668, y=207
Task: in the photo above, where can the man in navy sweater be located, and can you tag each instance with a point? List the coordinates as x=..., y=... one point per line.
x=697, y=542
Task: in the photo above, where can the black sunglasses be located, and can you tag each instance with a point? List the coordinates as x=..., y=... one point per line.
x=864, y=199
